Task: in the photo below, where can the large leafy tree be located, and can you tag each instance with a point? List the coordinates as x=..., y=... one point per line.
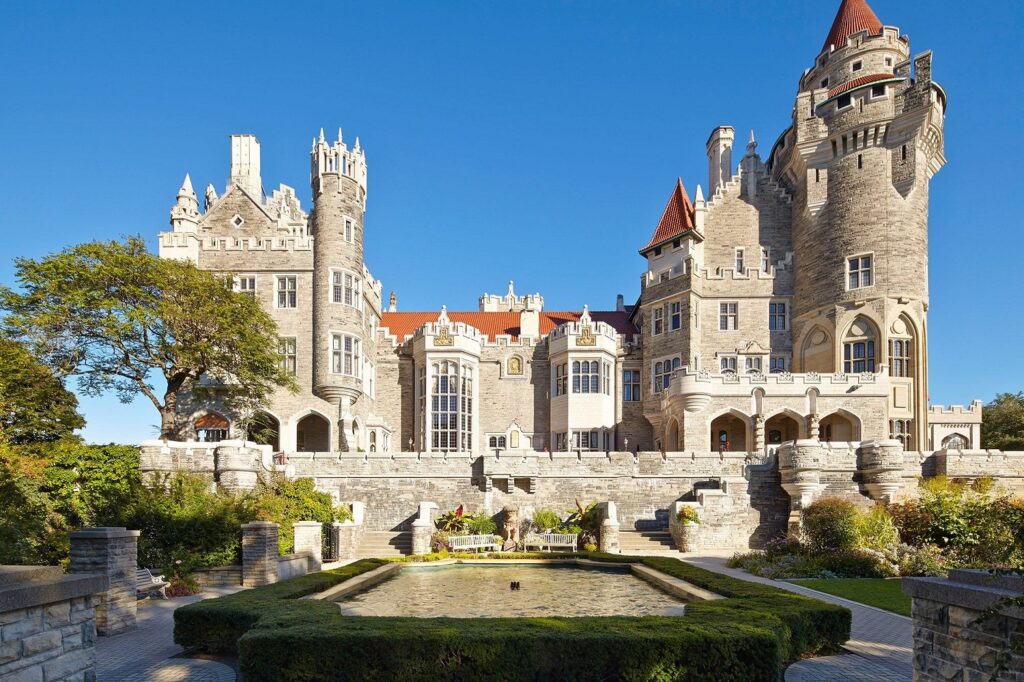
x=115, y=316
x=34, y=404
x=1002, y=426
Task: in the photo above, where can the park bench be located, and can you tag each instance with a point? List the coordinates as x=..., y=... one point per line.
x=146, y=582
x=552, y=540
x=477, y=542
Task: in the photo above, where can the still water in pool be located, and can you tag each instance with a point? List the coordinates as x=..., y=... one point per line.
x=476, y=591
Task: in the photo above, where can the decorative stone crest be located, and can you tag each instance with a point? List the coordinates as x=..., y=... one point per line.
x=515, y=366
x=443, y=337
x=586, y=337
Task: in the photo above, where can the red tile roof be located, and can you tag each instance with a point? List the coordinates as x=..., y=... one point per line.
x=403, y=325
x=677, y=218
x=853, y=16
x=857, y=82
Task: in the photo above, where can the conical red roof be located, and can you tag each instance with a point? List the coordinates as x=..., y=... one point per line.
x=853, y=16
x=677, y=218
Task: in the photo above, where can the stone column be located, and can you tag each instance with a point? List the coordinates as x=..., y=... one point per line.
x=308, y=538
x=423, y=528
x=259, y=553
x=112, y=552
x=608, y=540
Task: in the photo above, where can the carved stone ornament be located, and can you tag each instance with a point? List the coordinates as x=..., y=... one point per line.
x=515, y=365
x=586, y=337
x=444, y=337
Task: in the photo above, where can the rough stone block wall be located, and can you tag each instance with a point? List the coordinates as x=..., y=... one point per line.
x=259, y=553
x=52, y=642
x=112, y=552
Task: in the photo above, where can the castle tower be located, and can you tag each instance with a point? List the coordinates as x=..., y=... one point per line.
x=342, y=341
x=185, y=212
x=867, y=136
x=245, y=165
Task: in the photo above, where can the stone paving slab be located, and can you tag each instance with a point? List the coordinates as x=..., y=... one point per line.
x=852, y=667
x=146, y=652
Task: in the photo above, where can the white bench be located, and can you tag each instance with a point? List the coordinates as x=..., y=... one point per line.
x=146, y=582
x=477, y=542
x=552, y=540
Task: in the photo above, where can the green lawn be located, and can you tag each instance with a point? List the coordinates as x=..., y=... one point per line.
x=879, y=592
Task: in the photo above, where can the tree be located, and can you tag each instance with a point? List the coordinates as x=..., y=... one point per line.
x=113, y=315
x=1002, y=426
x=34, y=404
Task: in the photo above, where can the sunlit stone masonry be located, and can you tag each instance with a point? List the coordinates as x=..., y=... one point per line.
x=776, y=352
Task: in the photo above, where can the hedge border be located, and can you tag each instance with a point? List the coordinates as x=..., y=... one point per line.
x=748, y=635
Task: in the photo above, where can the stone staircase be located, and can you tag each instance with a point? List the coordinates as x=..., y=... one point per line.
x=384, y=543
x=646, y=542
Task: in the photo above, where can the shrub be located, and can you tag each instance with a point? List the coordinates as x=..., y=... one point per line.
x=481, y=525
x=858, y=563
x=687, y=515
x=285, y=502
x=746, y=636
x=876, y=529
x=831, y=523
x=925, y=561
x=546, y=520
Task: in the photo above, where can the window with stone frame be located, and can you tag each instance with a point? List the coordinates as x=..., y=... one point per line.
x=451, y=406
x=900, y=364
x=675, y=316
x=606, y=378
x=561, y=379
x=859, y=357
x=778, y=318
x=561, y=442
x=657, y=321
x=727, y=364
x=586, y=441
x=345, y=355
x=586, y=376
x=901, y=430
x=662, y=373
x=859, y=272
x=766, y=259
x=286, y=349
x=753, y=364
x=740, y=265
x=287, y=291
x=630, y=385
x=246, y=284
x=496, y=442
x=349, y=230
x=777, y=364
x=728, y=317
x=346, y=288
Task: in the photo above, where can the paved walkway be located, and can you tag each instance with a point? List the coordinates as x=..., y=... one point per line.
x=147, y=652
x=880, y=646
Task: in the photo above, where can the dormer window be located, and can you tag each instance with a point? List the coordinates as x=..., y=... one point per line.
x=857, y=66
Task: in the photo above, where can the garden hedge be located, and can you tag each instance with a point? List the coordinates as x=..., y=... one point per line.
x=747, y=636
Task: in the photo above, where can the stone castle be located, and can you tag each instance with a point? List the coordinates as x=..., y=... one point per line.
x=777, y=349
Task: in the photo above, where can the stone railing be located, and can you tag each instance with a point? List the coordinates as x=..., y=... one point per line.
x=48, y=623
x=965, y=627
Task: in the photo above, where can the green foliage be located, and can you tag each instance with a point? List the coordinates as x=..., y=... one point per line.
x=831, y=523
x=460, y=522
x=36, y=407
x=91, y=485
x=31, y=532
x=688, y=515
x=1002, y=426
x=876, y=529
x=481, y=525
x=112, y=314
x=583, y=521
x=546, y=520
x=284, y=502
x=746, y=636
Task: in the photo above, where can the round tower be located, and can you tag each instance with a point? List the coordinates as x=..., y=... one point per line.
x=341, y=339
x=866, y=139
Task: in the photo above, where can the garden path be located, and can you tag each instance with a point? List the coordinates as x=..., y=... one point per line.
x=147, y=652
x=881, y=643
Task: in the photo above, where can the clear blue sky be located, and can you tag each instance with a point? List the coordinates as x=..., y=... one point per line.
x=535, y=141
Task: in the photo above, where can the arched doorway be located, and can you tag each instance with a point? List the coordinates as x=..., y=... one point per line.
x=781, y=428
x=672, y=436
x=954, y=441
x=728, y=434
x=265, y=429
x=313, y=434
x=838, y=427
x=211, y=427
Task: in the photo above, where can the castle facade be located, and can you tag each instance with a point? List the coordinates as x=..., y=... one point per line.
x=786, y=304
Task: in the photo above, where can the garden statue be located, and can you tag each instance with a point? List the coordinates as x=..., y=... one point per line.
x=510, y=529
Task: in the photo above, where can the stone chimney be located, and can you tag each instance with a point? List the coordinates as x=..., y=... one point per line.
x=245, y=165
x=529, y=324
x=620, y=304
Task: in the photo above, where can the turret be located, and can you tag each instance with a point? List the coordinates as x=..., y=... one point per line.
x=185, y=212
x=719, y=147
x=342, y=341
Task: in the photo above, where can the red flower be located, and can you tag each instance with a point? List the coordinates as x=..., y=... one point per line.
x=458, y=512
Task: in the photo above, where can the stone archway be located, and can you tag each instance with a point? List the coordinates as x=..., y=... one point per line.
x=729, y=433
x=839, y=427
x=781, y=428
x=672, y=436
x=313, y=434
x=265, y=429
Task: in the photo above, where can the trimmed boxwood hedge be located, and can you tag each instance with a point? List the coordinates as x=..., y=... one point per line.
x=747, y=636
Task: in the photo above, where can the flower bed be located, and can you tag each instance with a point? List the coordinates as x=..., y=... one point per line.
x=746, y=636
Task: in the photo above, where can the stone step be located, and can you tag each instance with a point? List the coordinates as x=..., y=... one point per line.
x=385, y=543
x=645, y=541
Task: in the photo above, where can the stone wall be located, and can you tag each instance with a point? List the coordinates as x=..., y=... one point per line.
x=112, y=552
x=47, y=624
x=956, y=637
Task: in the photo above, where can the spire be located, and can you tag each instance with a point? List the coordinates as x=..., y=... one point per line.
x=322, y=135
x=853, y=16
x=186, y=187
x=699, y=197
x=752, y=145
x=340, y=138
x=677, y=218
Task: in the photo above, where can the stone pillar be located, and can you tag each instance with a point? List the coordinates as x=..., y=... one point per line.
x=238, y=466
x=800, y=468
x=423, y=528
x=608, y=541
x=881, y=466
x=112, y=552
x=759, y=439
x=308, y=538
x=259, y=553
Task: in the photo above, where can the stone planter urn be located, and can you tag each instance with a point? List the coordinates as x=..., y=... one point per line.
x=685, y=533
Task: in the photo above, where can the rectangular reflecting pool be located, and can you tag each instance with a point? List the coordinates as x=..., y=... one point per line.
x=482, y=591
